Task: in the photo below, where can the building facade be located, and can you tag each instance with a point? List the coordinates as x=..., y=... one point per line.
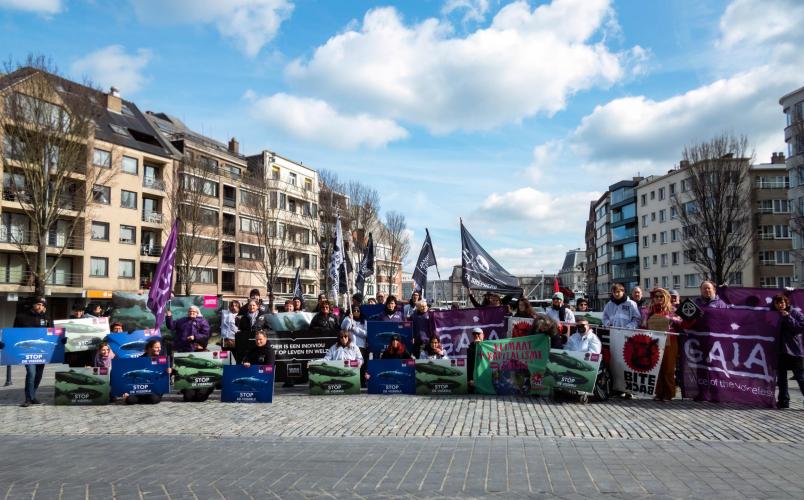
x=573, y=272
x=793, y=108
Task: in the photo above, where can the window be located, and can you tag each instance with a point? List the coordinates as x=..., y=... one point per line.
x=308, y=184
x=131, y=165
x=644, y=221
x=781, y=231
x=684, y=186
x=275, y=173
x=250, y=252
x=655, y=259
x=119, y=130
x=250, y=199
x=674, y=258
x=662, y=215
x=661, y=194
x=207, y=217
x=100, y=231
x=653, y=195
x=647, y=283
x=250, y=225
x=198, y=185
x=125, y=269
x=691, y=280
x=645, y=263
x=672, y=189
x=689, y=256
x=676, y=281
x=735, y=278
x=283, y=201
x=655, y=281
x=644, y=241
x=128, y=235
x=673, y=213
x=292, y=178
x=773, y=182
x=674, y=235
x=128, y=199
x=101, y=158
x=101, y=194
x=664, y=281
x=653, y=238
x=775, y=281
x=204, y=275
x=663, y=237
x=643, y=200
x=99, y=266
x=664, y=260
x=653, y=216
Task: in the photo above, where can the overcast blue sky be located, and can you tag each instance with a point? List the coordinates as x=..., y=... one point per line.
x=512, y=115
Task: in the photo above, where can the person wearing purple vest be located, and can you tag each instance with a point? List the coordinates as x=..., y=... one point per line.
x=791, y=348
x=709, y=297
x=190, y=334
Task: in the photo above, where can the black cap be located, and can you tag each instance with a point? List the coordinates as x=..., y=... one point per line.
x=358, y=297
x=254, y=291
x=39, y=300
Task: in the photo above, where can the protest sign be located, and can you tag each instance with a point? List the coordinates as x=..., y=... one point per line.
x=137, y=376
x=334, y=377
x=512, y=366
x=454, y=327
x=254, y=384
x=636, y=358
x=731, y=355
x=368, y=311
x=572, y=371
x=519, y=327
x=289, y=322
x=82, y=386
x=392, y=376
x=379, y=334
x=441, y=376
x=295, y=349
x=130, y=345
x=83, y=334
x=198, y=370
x=32, y=346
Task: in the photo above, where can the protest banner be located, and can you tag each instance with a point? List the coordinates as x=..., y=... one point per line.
x=83, y=334
x=454, y=327
x=441, y=376
x=131, y=309
x=138, y=376
x=254, y=384
x=512, y=366
x=295, y=349
x=379, y=334
x=130, y=345
x=198, y=370
x=758, y=298
x=730, y=355
x=572, y=370
x=334, y=377
x=289, y=322
x=32, y=346
x=594, y=318
x=392, y=376
x=368, y=311
x=82, y=386
x=636, y=357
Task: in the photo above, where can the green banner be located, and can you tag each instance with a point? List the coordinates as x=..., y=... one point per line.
x=441, y=376
x=512, y=366
x=572, y=371
x=328, y=378
x=198, y=370
x=81, y=386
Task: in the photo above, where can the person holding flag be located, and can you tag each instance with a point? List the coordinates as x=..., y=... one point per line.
x=366, y=268
x=159, y=295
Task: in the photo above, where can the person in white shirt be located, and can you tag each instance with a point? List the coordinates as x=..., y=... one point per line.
x=344, y=349
x=411, y=305
x=621, y=312
x=433, y=350
x=584, y=339
x=229, y=325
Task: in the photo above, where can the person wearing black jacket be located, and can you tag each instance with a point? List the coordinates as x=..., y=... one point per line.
x=477, y=337
x=324, y=319
x=35, y=318
x=251, y=321
x=262, y=353
x=396, y=349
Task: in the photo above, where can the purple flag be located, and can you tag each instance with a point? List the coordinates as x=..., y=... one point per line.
x=454, y=327
x=758, y=298
x=161, y=285
x=730, y=355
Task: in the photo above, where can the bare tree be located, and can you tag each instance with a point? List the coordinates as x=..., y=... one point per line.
x=398, y=242
x=364, y=207
x=332, y=203
x=715, y=208
x=47, y=127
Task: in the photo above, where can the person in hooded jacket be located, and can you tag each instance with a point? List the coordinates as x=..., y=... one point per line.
x=324, y=319
x=262, y=353
x=791, y=352
x=190, y=334
x=620, y=311
x=251, y=321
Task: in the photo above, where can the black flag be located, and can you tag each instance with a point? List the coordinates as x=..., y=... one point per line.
x=481, y=271
x=366, y=266
x=297, y=288
x=427, y=259
x=346, y=269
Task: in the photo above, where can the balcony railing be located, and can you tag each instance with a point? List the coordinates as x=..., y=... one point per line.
x=228, y=259
x=151, y=250
x=153, y=183
x=16, y=195
x=54, y=240
x=26, y=278
x=14, y=235
x=229, y=202
x=152, y=217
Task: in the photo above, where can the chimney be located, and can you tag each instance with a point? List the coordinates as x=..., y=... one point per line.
x=113, y=101
x=777, y=158
x=234, y=146
x=683, y=164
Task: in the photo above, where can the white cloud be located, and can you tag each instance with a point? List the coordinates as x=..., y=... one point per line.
x=473, y=10
x=539, y=211
x=251, y=24
x=315, y=120
x=757, y=22
x=527, y=62
x=112, y=66
x=46, y=7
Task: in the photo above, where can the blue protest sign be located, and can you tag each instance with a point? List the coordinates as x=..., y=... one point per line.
x=130, y=345
x=380, y=333
x=392, y=376
x=254, y=384
x=370, y=310
x=32, y=346
x=139, y=376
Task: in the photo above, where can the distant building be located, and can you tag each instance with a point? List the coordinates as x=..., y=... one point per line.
x=793, y=108
x=573, y=272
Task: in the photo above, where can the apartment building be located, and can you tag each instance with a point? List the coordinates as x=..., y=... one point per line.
x=793, y=108
x=591, y=256
x=602, y=250
x=774, y=264
x=104, y=253
x=624, y=233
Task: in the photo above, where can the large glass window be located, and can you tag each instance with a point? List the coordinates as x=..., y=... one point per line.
x=128, y=199
x=100, y=230
x=101, y=158
x=99, y=266
x=126, y=269
x=131, y=165
x=623, y=232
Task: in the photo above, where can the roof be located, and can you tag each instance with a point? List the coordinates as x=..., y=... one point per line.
x=176, y=130
x=130, y=128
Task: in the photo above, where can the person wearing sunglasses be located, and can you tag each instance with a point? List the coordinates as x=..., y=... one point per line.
x=344, y=349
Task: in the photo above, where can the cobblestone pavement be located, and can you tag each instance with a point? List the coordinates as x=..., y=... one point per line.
x=406, y=446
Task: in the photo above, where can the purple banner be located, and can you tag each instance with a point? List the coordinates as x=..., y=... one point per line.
x=162, y=283
x=730, y=355
x=758, y=298
x=454, y=328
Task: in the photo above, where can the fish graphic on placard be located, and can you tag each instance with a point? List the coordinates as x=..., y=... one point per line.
x=328, y=370
x=35, y=344
x=73, y=377
x=438, y=370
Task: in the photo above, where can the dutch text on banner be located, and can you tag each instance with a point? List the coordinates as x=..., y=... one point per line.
x=730, y=356
x=198, y=370
x=454, y=327
x=441, y=376
x=83, y=334
x=254, y=384
x=392, y=376
x=140, y=376
x=636, y=358
x=32, y=346
x=82, y=386
x=130, y=345
x=572, y=370
x=512, y=366
x=334, y=377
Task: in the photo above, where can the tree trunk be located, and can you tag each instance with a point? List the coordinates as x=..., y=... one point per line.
x=40, y=274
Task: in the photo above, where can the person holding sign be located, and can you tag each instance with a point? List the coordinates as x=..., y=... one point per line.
x=262, y=353
x=663, y=318
x=433, y=350
x=390, y=313
x=584, y=339
x=344, y=349
x=152, y=349
x=35, y=318
x=791, y=354
x=396, y=349
x=190, y=334
x=249, y=323
x=324, y=319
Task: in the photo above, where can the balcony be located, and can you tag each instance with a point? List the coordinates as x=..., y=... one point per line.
x=228, y=258
x=18, y=195
x=151, y=250
x=152, y=217
x=153, y=183
x=26, y=278
x=229, y=202
x=57, y=240
x=17, y=236
x=145, y=283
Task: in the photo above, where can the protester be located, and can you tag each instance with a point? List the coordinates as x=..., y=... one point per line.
x=545, y=325
x=420, y=326
x=250, y=322
x=321, y=298
x=262, y=353
x=663, y=318
x=524, y=309
x=153, y=348
x=104, y=356
x=396, y=349
x=357, y=299
x=116, y=327
x=380, y=298
x=561, y=314
x=79, y=358
x=288, y=306
x=254, y=295
x=620, y=311
x=229, y=319
x=34, y=318
x=344, y=349
x=582, y=305
x=791, y=352
x=675, y=298
x=471, y=354
x=357, y=326
x=371, y=301
x=433, y=350
x=190, y=334
x=708, y=297
x=584, y=339
x=390, y=313
x=407, y=311
x=637, y=296
x=324, y=319
x=95, y=311
x=298, y=304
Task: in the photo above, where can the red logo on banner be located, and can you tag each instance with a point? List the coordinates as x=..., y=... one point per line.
x=521, y=329
x=641, y=353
